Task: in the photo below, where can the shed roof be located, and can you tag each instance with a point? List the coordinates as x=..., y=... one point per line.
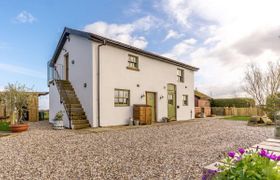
x=101, y=39
x=201, y=95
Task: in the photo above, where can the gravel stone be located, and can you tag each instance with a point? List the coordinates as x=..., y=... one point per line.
x=169, y=151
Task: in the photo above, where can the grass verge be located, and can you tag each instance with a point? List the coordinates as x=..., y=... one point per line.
x=238, y=118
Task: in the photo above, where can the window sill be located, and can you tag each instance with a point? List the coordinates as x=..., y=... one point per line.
x=131, y=68
x=121, y=105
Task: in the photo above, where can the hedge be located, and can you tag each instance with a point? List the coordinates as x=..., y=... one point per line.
x=233, y=102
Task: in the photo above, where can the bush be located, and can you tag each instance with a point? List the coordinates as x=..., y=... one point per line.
x=4, y=126
x=250, y=165
x=233, y=102
x=272, y=105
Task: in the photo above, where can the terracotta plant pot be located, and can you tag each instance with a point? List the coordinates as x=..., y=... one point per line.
x=19, y=128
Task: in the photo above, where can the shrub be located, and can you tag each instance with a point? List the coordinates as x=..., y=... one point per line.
x=250, y=165
x=272, y=105
x=233, y=102
x=4, y=126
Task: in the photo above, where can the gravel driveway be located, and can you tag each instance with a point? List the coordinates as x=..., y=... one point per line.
x=169, y=151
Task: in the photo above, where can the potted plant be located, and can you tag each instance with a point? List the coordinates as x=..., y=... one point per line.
x=16, y=97
x=250, y=164
x=58, y=121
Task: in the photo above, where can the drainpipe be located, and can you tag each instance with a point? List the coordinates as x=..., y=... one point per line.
x=98, y=81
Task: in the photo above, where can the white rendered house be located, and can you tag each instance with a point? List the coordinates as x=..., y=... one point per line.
x=96, y=81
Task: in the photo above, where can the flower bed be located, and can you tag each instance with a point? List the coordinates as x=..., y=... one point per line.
x=251, y=164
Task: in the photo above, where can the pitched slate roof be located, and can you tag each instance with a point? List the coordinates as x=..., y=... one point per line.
x=101, y=39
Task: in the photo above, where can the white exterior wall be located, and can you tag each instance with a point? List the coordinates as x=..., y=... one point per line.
x=56, y=106
x=153, y=76
x=80, y=51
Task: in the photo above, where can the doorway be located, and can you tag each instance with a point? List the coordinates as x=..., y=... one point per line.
x=171, y=102
x=66, y=66
x=151, y=101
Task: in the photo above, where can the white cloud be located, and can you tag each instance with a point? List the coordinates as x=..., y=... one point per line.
x=124, y=32
x=182, y=49
x=134, y=8
x=25, y=17
x=21, y=70
x=232, y=34
x=172, y=34
x=177, y=10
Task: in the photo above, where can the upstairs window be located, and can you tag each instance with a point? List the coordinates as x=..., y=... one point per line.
x=133, y=62
x=180, y=75
x=122, y=97
x=185, y=100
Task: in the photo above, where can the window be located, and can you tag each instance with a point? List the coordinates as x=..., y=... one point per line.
x=180, y=75
x=122, y=97
x=170, y=99
x=133, y=62
x=185, y=100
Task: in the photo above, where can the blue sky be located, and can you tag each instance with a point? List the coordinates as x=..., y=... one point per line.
x=27, y=44
x=213, y=37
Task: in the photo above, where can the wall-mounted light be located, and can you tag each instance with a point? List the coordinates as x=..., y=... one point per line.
x=142, y=96
x=138, y=85
x=68, y=38
x=85, y=85
x=186, y=87
x=73, y=61
x=161, y=97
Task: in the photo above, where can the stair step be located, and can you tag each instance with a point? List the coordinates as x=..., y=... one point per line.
x=70, y=98
x=77, y=113
x=63, y=82
x=80, y=126
x=75, y=122
x=73, y=105
x=75, y=109
x=78, y=117
x=67, y=101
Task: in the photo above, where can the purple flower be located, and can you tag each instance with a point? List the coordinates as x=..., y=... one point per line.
x=278, y=158
x=241, y=151
x=273, y=157
x=238, y=159
x=263, y=153
x=231, y=154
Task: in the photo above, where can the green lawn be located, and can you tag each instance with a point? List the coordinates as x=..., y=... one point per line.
x=238, y=118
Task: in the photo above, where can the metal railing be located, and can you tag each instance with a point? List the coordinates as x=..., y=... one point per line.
x=63, y=95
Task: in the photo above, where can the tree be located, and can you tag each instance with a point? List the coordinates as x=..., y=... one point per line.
x=263, y=85
x=15, y=97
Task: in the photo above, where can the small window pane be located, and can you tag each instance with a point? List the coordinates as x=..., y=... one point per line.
x=121, y=97
x=185, y=100
x=180, y=75
x=133, y=61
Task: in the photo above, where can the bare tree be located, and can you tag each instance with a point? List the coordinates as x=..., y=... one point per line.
x=262, y=84
x=272, y=79
x=254, y=83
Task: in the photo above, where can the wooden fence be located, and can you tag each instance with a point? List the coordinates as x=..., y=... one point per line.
x=233, y=111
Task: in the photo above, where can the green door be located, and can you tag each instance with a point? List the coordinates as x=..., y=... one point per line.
x=151, y=100
x=171, y=98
